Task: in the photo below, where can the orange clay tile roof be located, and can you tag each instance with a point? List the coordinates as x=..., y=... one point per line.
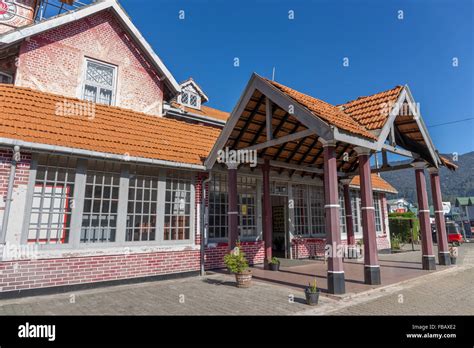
x=378, y=184
x=205, y=111
x=32, y=116
x=372, y=111
x=327, y=112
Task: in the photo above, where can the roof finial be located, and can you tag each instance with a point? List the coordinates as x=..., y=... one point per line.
x=273, y=74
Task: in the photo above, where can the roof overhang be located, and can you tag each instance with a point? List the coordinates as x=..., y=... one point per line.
x=15, y=36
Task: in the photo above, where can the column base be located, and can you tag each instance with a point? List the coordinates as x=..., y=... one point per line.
x=444, y=258
x=336, y=283
x=429, y=263
x=372, y=275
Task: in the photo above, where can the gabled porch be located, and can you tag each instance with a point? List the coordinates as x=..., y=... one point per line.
x=292, y=135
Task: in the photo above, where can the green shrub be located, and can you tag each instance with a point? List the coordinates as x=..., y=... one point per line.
x=235, y=261
x=395, y=242
x=274, y=261
x=399, y=224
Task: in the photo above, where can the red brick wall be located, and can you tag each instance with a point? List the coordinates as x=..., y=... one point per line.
x=22, y=171
x=214, y=256
x=31, y=274
x=54, y=62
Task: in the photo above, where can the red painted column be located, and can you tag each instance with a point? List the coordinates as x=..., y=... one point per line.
x=349, y=222
x=267, y=213
x=371, y=261
x=336, y=281
x=428, y=258
x=233, y=211
x=443, y=250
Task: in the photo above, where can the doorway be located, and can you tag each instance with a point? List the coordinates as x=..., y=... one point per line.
x=280, y=226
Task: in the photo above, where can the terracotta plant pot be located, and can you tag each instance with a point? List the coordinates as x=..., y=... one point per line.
x=244, y=279
x=274, y=266
x=312, y=298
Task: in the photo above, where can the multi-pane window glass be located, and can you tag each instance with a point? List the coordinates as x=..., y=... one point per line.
x=190, y=99
x=99, y=219
x=300, y=209
x=50, y=219
x=378, y=213
x=318, y=222
x=177, y=224
x=218, y=205
x=247, y=189
x=356, y=219
x=342, y=212
x=99, y=83
x=142, y=206
x=5, y=78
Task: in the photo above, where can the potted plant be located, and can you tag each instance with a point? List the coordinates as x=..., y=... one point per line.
x=453, y=253
x=312, y=294
x=274, y=264
x=360, y=247
x=236, y=263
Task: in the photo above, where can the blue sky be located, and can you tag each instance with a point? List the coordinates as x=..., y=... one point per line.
x=308, y=51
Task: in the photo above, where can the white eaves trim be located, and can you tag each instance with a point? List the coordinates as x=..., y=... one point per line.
x=28, y=31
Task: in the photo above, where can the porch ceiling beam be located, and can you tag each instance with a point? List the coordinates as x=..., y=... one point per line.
x=277, y=129
x=280, y=150
x=397, y=151
x=339, y=166
x=268, y=118
x=282, y=140
x=278, y=164
x=391, y=168
x=249, y=120
x=306, y=153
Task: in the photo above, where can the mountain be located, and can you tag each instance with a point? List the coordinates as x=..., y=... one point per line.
x=453, y=184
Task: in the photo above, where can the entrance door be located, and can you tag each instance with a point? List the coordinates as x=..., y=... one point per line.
x=279, y=223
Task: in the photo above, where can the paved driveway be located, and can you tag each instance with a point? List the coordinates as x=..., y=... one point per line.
x=446, y=292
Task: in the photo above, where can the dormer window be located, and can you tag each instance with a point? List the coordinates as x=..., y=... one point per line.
x=190, y=99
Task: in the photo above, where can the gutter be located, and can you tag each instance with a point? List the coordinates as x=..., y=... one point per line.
x=11, y=180
x=204, y=221
x=88, y=153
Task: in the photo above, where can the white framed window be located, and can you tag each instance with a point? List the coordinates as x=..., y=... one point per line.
x=191, y=99
x=356, y=212
x=177, y=225
x=300, y=197
x=52, y=201
x=99, y=217
x=142, y=205
x=342, y=213
x=218, y=207
x=247, y=189
x=99, y=82
x=378, y=213
x=318, y=221
x=6, y=78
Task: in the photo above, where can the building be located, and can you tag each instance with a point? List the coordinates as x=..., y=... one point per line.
x=466, y=206
x=111, y=170
x=400, y=205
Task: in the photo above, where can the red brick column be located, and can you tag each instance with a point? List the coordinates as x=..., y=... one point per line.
x=428, y=258
x=443, y=251
x=233, y=210
x=349, y=222
x=336, y=281
x=267, y=213
x=371, y=262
